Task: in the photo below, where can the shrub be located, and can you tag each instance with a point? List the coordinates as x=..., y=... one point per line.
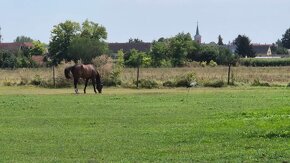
x=23, y=81
x=288, y=85
x=185, y=80
x=258, y=83
x=104, y=65
x=36, y=80
x=215, y=84
x=203, y=64
x=147, y=83
x=169, y=84
x=60, y=82
x=9, y=82
x=212, y=63
x=113, y=79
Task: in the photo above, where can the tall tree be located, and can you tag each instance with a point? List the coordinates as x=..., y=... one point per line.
x=180, y=48
x=93, y=30
x=89, y=44
x=85, y=49
x=159, y=52
x=22, y=39
x=61, y=37
x=286, y=39
x=244, y=47
x=220, y=40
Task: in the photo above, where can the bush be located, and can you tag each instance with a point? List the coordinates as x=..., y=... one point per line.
x=212, y=63
x=288, y=85
x=203, y=64
x=215, y=84
x=147, y=83
x=60, y=82
x=113, y=79
x=104, y=65
x=169, y=84
x=185, y=80
x=258, y=83
x=36, y=80
x=9, y=83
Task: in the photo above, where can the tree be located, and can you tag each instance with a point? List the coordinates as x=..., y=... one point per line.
x=61, y=37
x=37, y=49
x=159, y=52
x=89, y=44
x=85, y=49
x=220, y=40
x=72, y=42
x=278, y=48
x=244, y=47
x=286, y=39
x=137, y=59
x=22, y=39
x=93, y=30
x=181, y=47
x=207, y=53
x=7, y=59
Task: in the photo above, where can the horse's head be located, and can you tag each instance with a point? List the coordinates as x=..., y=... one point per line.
x=100, y=87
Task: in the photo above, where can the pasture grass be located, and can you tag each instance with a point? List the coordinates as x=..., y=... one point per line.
x=240, y=75
x=159, y=125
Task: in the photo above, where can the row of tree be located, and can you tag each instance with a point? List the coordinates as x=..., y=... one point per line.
x=72, y=41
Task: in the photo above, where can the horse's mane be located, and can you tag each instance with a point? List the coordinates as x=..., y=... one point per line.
x=67, y=71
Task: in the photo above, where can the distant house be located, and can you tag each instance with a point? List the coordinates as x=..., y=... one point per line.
x=15, y=46
x=126, y=47
x=262, y=50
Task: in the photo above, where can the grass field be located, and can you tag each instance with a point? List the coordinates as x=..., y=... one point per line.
x=159, y=125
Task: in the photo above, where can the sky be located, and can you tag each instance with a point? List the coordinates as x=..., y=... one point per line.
x=263, y=21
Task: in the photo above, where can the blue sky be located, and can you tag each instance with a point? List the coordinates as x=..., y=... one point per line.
x=263, y=21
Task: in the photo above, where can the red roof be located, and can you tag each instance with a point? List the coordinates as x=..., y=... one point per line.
x=16, y=45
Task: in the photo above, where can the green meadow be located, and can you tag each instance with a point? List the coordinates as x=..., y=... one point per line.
x=250, y=124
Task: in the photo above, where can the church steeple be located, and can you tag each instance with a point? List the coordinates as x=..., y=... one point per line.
x=197, y=36
x=197, y=31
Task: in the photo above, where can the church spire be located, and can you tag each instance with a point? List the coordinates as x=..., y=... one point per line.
x=197, y=36
x=197, y=31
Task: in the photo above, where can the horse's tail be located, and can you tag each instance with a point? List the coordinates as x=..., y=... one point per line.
x=67, y=72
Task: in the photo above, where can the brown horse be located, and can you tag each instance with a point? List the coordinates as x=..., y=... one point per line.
x=86, y=72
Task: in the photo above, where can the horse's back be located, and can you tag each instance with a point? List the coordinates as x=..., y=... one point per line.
x=88, y=71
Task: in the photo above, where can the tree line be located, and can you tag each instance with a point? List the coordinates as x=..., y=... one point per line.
x=72, y=41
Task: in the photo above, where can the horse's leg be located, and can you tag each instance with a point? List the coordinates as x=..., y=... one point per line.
x=86, y=83
x=94, y=84
x=76, y=83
